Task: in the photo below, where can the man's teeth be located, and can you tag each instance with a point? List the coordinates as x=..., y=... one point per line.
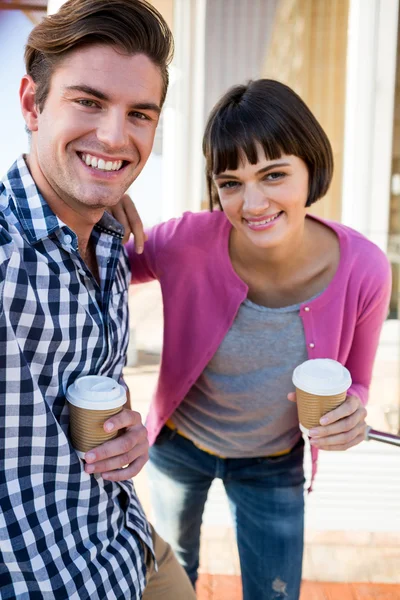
x=265, y=221
x=99, y=163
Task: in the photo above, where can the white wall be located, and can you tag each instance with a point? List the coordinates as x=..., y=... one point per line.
x=14, y=30
x=147, y=191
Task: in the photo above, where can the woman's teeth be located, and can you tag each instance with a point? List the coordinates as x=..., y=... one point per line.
x=265, y=221
x=99, y=163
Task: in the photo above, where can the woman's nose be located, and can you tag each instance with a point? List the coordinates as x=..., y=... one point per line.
x=255, y=199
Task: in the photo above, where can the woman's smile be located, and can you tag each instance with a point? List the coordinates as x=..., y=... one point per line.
x=262, y=223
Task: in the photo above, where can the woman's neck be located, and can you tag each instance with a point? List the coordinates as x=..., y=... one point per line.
x=278, y=262
x=290, y=273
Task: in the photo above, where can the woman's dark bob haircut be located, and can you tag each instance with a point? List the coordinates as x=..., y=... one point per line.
x=269, y=114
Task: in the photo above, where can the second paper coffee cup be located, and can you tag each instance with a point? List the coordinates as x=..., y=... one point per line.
x=92, y=400
x=321, y=385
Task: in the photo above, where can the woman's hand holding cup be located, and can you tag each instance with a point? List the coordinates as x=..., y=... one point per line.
x=319, y=383
x=342, y=427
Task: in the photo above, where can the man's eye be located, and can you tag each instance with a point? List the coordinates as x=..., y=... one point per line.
x=87, y=103
x=139, y=115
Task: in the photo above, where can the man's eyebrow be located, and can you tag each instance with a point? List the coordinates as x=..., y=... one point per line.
x=147, y=106
x=86, y=89
x=263, y=170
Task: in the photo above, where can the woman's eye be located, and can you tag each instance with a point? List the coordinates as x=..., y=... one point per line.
x=228, y=185
x=275, y=175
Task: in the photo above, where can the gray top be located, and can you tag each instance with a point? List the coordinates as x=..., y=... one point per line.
x=238, y=407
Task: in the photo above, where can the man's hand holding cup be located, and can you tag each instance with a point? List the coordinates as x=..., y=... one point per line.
x=109, y=437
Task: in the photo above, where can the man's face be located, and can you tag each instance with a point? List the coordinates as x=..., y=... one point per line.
x=97, y=127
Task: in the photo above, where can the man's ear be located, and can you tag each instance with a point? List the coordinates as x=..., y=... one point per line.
x=27, y=91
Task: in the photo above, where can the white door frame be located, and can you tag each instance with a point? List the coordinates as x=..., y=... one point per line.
x=370, y=87
x=183, y=114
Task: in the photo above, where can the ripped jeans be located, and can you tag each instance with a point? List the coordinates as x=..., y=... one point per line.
x=266, y=499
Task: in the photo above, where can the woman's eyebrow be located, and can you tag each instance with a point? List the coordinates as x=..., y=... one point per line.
x=272, y=166
x=260, y=171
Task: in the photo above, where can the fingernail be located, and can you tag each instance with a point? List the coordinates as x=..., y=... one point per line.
x=313, y=432
x=139, y=249
x=89, y=468
x=109, y=426
x=324, y=421
x=90, y=456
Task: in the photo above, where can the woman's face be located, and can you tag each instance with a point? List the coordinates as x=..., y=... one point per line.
x=265, y=202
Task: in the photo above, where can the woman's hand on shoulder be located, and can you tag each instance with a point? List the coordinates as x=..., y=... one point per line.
x=125, y=212
x=341, y=428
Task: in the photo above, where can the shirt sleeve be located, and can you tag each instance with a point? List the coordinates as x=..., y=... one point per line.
x=142, y=265
x=368, y=328
x=146, y=266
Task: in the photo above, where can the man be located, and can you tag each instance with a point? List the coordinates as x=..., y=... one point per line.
x=96, y=81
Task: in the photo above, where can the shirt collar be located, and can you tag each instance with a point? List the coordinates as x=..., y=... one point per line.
x=35, y=215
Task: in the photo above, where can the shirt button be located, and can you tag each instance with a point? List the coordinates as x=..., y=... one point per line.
x=307, y=308
x=67, y=239
x=312, y=345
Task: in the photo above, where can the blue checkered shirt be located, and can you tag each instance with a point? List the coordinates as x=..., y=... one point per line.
x=64, y=534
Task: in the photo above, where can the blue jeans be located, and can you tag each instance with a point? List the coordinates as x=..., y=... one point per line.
x=266, y=497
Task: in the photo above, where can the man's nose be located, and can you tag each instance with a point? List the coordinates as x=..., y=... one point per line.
x=112, y=130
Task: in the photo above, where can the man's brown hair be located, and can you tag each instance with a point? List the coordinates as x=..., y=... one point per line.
x=133, y=26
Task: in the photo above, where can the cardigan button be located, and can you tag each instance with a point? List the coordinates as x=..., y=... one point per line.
x=312, y=345
x=307, y=308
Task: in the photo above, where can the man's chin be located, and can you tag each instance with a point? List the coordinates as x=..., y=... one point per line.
x=99, y=199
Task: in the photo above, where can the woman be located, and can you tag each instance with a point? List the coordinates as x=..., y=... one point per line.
x=250, y=291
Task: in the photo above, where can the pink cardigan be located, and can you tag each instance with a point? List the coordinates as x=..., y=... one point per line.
x=202, y=294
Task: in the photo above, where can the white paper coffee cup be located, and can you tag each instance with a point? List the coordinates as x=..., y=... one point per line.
x=321, y=386
x=92, y=400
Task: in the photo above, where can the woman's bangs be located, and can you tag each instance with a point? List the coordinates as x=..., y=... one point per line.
x=234, y=142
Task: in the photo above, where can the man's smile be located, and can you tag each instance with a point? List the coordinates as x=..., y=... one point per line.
x=102, y=164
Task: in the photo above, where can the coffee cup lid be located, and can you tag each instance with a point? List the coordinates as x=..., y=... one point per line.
x=96, y=392
x=322, y=376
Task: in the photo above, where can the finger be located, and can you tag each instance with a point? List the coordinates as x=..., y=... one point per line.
x=130, y=471
x=340, y=426
x=116, y=463
x=292, y=396
x=340, y=439
x=349, y=406
x=119, y=214
x=135, y=222
x=125, y=418
x=340, y=447
x=118, y=445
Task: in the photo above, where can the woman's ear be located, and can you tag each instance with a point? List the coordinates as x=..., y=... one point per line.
x=27, y=92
